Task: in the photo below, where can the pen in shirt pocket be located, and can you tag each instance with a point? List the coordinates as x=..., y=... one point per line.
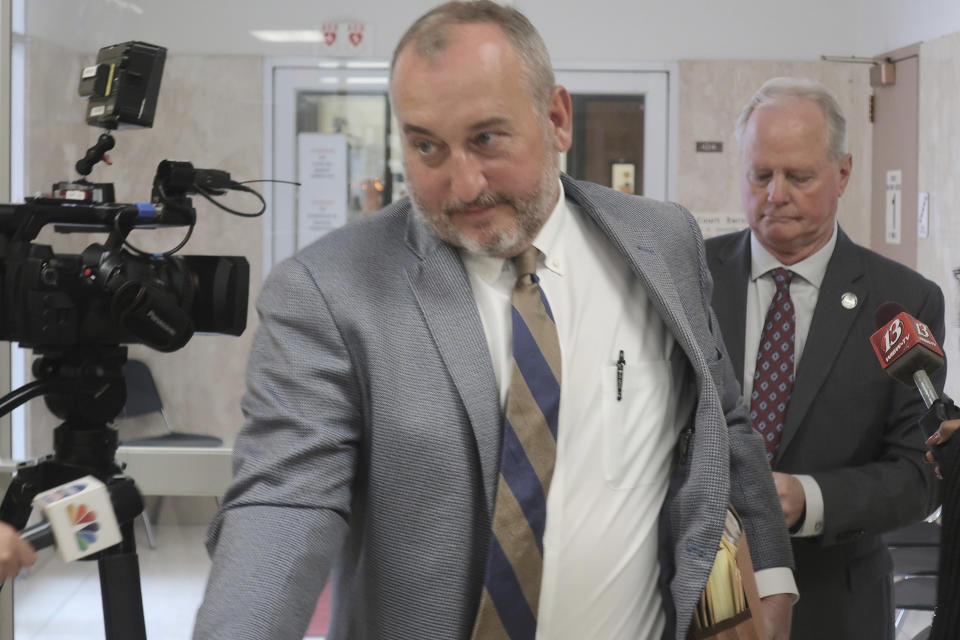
x=621, y=363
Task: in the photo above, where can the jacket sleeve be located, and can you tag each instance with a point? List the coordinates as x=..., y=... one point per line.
x=752, y=492
x=285, y=515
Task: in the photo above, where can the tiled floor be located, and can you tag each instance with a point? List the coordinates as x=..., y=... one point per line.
x=58, y=601
x=913, y=622
x=54, y=600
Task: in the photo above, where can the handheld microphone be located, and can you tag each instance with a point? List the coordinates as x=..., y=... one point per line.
x=83, y=517
x=908, y=352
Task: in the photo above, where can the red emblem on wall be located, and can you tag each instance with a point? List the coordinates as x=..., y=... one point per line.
x=356, y=34
x=330, y=34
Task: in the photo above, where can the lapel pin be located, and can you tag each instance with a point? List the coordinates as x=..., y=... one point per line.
x=848, y=300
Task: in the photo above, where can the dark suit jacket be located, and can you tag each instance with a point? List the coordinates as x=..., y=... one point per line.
x=372, y=441
x=848, y=425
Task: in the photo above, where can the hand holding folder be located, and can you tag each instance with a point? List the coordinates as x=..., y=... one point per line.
x=724, y=611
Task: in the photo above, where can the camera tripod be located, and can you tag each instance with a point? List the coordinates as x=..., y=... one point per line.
x=84, y=386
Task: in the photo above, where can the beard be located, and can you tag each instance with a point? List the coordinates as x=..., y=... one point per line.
x=531, y=210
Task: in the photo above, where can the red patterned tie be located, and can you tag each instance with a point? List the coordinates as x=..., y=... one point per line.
x=774, y=373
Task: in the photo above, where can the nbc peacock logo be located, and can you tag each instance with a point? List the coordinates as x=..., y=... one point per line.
x=84, y=521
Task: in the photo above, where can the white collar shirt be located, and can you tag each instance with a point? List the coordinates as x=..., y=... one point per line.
x=600, y=566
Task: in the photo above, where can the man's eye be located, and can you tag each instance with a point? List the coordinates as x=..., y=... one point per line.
x=485, y=138
x=801, y=179
x=759, y=178
x=425, y=147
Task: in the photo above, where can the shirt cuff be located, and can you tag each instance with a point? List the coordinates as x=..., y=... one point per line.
x=813, y=521
x=777, y=580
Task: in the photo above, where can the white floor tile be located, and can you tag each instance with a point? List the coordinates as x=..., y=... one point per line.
x=56, y=601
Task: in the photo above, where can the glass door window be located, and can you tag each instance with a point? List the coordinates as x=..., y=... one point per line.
x=608, y=141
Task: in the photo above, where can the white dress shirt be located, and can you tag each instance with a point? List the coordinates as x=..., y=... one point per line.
x=600, y=566
x=804, y=291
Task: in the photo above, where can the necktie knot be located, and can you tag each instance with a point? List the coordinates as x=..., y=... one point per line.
x=526, y=264
x=782, y=278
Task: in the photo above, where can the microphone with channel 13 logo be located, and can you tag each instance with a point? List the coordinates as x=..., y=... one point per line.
x=909, y=352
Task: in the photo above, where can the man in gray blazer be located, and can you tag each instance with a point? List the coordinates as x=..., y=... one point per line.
x=379, y=376
x=849, y=464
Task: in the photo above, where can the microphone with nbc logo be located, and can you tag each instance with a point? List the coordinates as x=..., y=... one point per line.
x=79, y=517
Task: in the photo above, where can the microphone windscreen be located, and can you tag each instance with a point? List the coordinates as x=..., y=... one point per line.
x=886, y=312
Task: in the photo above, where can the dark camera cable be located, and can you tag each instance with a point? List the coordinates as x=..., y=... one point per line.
x=211, y=184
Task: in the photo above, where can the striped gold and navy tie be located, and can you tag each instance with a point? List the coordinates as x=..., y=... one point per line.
x=511, y=590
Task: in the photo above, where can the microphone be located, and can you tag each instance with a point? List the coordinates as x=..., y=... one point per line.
x=83, y=516
x=907, y=350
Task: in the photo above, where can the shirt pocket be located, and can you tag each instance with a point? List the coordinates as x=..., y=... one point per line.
x=637, y=431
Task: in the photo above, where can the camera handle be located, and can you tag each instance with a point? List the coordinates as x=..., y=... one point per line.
x=95, y=154
x=86, y=387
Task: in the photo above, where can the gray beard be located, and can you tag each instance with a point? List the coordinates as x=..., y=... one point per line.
x=532, y=210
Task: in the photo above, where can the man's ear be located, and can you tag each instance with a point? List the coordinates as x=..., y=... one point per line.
x=846, y=167
x=560, y=113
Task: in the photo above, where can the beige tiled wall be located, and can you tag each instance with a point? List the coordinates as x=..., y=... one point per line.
x=711, y=94
x=939, y=175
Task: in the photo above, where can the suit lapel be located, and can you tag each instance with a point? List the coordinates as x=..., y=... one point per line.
x=828, y=331
x=730, y=276
x=442, y=289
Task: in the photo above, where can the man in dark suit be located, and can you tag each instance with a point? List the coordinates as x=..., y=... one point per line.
x=382, y=391
x=795, y=298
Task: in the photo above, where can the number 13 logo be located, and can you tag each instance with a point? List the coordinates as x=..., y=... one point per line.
x=894, y=331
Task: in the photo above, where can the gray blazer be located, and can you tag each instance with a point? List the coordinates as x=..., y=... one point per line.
x=848, y=425
x=371, y=445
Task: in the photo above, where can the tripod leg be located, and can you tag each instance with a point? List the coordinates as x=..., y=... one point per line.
x=120, y=590
x=18, y=501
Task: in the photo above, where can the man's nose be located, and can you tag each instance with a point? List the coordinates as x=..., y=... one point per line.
x=777, y=189
x=467, y=179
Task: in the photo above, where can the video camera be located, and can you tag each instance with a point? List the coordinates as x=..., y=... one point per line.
x=112, y=292
x=75, y=311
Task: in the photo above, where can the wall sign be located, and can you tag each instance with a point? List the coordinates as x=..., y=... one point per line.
x=708, y=146
x=923, y=214
x=322, y=197
x=894, y=206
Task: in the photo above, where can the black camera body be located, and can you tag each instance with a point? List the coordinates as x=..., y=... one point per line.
x=107, y=295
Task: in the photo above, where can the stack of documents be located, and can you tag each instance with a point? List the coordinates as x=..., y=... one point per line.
x=723, y=603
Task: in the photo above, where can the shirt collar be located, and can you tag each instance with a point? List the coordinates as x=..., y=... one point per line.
x=812, y=268
x=548, y=241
